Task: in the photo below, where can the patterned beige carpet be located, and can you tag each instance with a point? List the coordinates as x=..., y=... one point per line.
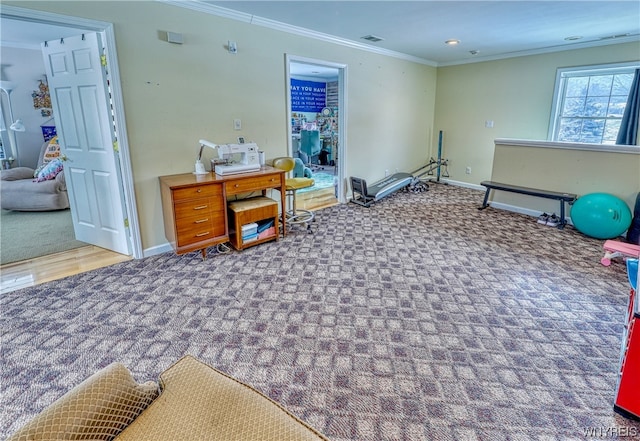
x=420, y=318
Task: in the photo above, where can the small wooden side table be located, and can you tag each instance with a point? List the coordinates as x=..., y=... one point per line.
x=247, y=211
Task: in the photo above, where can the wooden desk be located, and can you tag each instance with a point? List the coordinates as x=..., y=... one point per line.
x=194, y=207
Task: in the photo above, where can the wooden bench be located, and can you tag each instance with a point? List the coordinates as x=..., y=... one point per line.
x=562, y=197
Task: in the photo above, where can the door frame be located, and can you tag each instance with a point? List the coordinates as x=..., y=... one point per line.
x=107, y=30
x=342, y=114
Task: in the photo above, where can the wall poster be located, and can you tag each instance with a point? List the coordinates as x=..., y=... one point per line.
x=308, y=96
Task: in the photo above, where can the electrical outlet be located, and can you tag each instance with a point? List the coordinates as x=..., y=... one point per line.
x=237, y=124
x=468, y=170
x=386, y=173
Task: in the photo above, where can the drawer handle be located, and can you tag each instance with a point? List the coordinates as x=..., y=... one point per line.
x=201, y=221
x=237, y=185
x=199, y=190
x=202, y=234
x=273, y=179
x=200, y=207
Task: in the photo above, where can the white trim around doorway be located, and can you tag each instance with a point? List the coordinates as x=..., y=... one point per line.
x=34, y=16
x=342, y=114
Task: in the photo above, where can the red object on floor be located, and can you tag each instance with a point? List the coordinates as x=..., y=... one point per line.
x=627, y=400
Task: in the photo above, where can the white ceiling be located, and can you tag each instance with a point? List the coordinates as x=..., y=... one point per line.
x=416, y=29
x=496, y=29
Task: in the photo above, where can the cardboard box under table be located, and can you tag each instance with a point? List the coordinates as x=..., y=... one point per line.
x=247, y=211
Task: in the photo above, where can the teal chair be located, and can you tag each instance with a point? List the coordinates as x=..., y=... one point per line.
x=300, y=170
x=310, y=143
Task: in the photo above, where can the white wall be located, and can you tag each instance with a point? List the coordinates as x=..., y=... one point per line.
x=175, y=95
x=515, y=93
x=572, y=170
x=25, y=68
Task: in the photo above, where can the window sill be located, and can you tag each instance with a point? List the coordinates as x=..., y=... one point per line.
x=606, y=148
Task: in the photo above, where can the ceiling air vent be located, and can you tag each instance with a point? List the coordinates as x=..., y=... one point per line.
x=372, y=38
x=611, y=37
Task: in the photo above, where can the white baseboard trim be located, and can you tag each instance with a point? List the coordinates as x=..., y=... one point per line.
x=464, y=184
x=158, y=249
x=514, y=208
x=500, y=205
x=166, y=247
x=521, y=210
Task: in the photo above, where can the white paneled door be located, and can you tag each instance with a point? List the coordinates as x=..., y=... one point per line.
x=84, y=123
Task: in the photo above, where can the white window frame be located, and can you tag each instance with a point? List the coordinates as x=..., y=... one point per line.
x=558, y=95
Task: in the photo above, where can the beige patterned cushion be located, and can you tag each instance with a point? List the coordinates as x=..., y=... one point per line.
x=200, y=403
x=97, y=409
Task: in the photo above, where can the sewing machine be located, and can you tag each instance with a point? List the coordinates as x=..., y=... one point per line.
x=232, y=158
x=248, y=159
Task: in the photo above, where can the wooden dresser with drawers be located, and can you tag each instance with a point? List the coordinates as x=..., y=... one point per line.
x=195, y=206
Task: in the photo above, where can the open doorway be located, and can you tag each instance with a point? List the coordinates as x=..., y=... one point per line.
x=317, y=126
x=35, y=26
x=35, y=219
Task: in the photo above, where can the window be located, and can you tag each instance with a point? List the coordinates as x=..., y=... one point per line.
x=589, y=103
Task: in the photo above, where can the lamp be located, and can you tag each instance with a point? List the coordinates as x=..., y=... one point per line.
x=18, y=126
x=199, y=167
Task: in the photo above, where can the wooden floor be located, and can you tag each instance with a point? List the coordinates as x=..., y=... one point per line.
x=32, y=272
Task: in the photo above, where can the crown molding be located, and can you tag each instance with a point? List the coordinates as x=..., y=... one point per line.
x=546, y=50
x=199, y=6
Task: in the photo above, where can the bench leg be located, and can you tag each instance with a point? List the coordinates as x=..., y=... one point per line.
x=562, y=219
x=486, y=198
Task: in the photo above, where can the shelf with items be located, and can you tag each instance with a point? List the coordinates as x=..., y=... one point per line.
x=327, y=125
x=300, y=119
x=332, y=94
x=252, y=221
x=627, y=399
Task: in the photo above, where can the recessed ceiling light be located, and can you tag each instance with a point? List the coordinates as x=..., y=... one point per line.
x=372, y=38
x=452, y=42
x=574, y=38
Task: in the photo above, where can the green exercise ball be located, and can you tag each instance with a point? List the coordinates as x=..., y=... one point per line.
x=601, y=215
